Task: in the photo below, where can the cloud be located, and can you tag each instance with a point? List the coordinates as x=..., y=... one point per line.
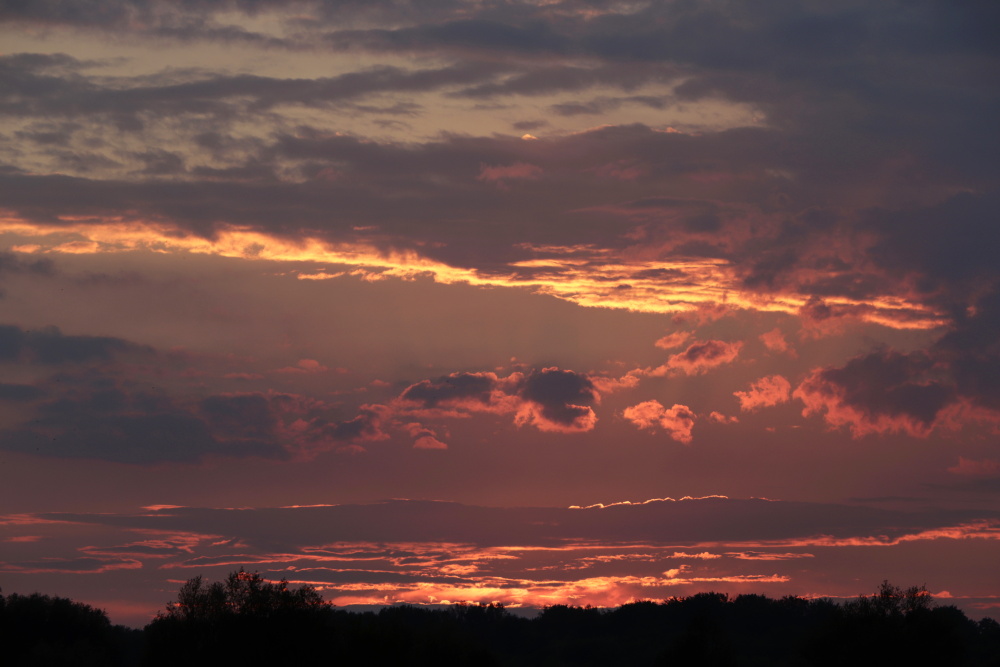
x=423, y=437
x=106, y=421
x=428, y=442
x=765, y=392
x=881, y=392
x=550, y=399
x=723, y=419
x=702, y=356
x=557, y=400
x=774, y=340
x=426, y=551
x=971, y=467
x=720, y=244
x=304, y=366
x=20, y=392
x=953, y=260
x=673, y=340
x=82, y=565
x=664, y=522
x=240, y=415
x=61, y=86
x=514, y=172
x=819, y=318
x=676, y=421
x=49, y=346
x=457, y=388
x=19, y=263
x=367, y=426
x=608, y=385
x=93, y=407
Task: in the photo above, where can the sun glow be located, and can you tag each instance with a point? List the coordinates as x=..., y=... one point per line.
x=587, y=276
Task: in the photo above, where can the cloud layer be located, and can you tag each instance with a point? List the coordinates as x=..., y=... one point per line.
x=504, y=255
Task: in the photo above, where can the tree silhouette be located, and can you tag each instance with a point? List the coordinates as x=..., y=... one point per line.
x=891, y=601
x=41, y=630
x=243, y=594
x=244, y=620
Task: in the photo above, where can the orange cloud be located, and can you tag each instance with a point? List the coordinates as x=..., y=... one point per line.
x=763, y=555
x=723, y=419
x=700, y=357
x=987, y=529
x=704, y=313
x=588, y=276
x=673, y=340
x=765, y=392
x=600, y=591
x=608, y=385
x=677, y=421
x=775, y=341
x=424, y=438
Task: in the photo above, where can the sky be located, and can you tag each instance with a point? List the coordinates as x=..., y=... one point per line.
x=528, y=301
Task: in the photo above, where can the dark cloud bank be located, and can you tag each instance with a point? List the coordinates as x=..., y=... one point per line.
x=871, y=172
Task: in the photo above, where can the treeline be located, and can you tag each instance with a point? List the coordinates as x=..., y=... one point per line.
x=246, y=620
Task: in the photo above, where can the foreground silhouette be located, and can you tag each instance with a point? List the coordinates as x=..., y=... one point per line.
x=42, y=630
x=247, y=620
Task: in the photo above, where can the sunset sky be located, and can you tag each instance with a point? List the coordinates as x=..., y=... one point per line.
x=530, y=301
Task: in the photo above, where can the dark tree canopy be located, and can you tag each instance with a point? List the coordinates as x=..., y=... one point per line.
x=242, y=594
x=244, y=620
x=892, y=601
x=42, y=630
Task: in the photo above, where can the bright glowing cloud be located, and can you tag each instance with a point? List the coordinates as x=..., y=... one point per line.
x=701, y=357
x=765, y=392
x=677, y=421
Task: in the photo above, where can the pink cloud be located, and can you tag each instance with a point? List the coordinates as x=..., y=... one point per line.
x=775, y=341
x=80, y=565
x=765, y=392
x=723, y=419
x=428, y=442
x=983, y=468
x=763, y=555
x=673, y=340
x=304, y=366
x=423, y=437
x=677, y=421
